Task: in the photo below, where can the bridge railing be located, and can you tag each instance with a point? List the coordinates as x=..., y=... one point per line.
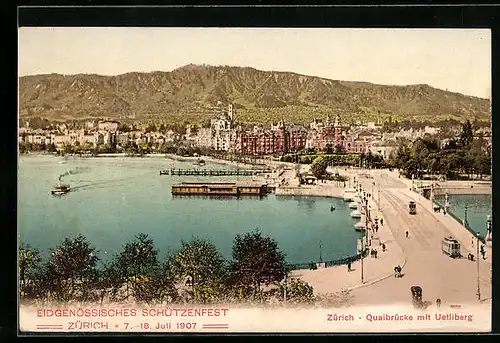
x=333, y=263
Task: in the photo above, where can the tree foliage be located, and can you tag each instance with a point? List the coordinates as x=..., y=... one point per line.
x=257, y=260
x=71, y=271
x=318, y=167
x=201, y=266
x=256, y=274
x=465, y=154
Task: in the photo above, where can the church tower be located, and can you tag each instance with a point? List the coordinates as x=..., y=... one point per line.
x=338, y=132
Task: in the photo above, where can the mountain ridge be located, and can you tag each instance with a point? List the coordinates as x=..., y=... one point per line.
x=192, y=91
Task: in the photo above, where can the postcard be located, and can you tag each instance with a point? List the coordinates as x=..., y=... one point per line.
x=254, y=180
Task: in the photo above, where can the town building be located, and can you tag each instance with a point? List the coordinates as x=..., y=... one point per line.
x=221, y=129
x=108, y=125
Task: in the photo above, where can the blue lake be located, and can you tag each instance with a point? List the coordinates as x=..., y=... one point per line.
x=479, y=206
x=114, y=199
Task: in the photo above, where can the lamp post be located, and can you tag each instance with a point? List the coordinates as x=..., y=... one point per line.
x=373, y=185
x=432, y=193
x=478, y=293
x=466, y=224
x=488, y=228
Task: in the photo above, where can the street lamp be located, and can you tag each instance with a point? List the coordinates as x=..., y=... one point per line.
x=488, y=228
x=466, y=223
x=478, y=293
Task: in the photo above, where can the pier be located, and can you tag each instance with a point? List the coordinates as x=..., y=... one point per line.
x=220, y=188
x=213, y=172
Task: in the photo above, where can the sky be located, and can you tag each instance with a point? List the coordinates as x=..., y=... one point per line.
x=457, y=60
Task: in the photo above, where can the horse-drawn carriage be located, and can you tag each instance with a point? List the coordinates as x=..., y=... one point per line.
x=416, y=292
x=397, y=271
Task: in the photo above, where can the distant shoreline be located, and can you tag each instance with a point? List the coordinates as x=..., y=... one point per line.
x=458, y=188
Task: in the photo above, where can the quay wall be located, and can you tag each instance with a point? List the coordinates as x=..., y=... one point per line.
x=463, y=190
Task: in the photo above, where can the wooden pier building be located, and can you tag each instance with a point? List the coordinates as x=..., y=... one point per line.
x=220, y=188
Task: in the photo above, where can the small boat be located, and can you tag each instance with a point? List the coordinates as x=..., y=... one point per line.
x=360, y=227
x=60, y=189
x=332, y=208
x=355, y=214
x=199, y=162
x=348, y=197
x=353, y=205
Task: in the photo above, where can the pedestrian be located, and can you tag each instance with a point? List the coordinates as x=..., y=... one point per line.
x=472, y=240
x=438, y=302
x=484, y=254
x=349, y=267
x=381, y=221
x=383, y=247
x=406, y=234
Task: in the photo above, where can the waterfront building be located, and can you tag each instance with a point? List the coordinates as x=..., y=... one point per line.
x=221, y=129
x=297, y=138
x=203, y=137
x=382, y=148
x=88, y=139
x=60, y=139
x=359, y=141
x=108, y=125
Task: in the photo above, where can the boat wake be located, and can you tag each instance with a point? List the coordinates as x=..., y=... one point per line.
x=107, y=183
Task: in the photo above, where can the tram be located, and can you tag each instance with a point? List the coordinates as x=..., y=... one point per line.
x=450, y=247
x=412, y=207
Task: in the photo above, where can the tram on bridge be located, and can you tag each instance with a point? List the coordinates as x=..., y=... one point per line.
x=450, y=247
x=412, y=207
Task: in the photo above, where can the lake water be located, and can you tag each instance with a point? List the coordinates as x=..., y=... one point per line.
x=114, y=199
x=478, y=208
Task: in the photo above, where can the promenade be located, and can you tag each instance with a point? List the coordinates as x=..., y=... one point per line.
x=454, y=281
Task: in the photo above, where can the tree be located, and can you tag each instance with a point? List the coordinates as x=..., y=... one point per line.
x=71, y=270
x=297, y=292
x=257, y=260
x=138, y=257
x=328, y=149
x=339, y=149
x=150, y=128
x=318, y=167
x=452, y=144
x=29, y=263
x=466, y=136
x=200, y=261
x=125, y=128
x=155, y=286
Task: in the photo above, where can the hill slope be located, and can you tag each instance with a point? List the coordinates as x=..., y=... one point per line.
x=190, y=92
